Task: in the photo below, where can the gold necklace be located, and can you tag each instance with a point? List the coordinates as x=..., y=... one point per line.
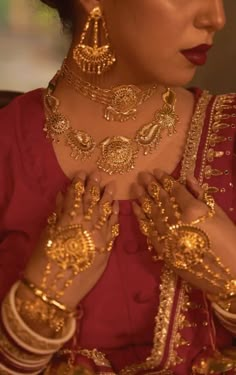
x=118, y=153
x=121, y=102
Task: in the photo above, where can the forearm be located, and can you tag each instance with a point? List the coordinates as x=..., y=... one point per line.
x=22, y=346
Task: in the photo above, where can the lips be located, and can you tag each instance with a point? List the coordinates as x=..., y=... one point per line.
x=197, y=55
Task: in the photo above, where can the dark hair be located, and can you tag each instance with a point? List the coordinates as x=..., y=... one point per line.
x=65, y=9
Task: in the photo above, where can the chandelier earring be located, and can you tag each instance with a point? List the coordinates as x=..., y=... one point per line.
x=94, y=54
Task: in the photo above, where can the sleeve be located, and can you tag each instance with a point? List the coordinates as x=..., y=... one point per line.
x=15, y=242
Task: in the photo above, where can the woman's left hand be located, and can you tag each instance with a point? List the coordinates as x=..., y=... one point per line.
x=164, y=202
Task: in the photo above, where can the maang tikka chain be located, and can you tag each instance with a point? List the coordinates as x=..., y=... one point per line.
x=94, y=59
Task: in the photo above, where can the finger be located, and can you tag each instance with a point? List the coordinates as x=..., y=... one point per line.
x=59, y=204
x=194, y=187
x=190, y=207
x=105, y=208
x=72, y=209
x=92, y=195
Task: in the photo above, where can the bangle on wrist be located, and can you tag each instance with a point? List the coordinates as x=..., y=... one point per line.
x=45, y=298
x=24, y=336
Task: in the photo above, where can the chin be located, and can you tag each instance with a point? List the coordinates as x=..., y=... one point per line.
x=180, y=78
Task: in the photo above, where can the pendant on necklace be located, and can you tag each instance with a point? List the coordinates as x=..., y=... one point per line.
x=118, y=155
x=81, y=144
x=56, y=124
x=124, y=102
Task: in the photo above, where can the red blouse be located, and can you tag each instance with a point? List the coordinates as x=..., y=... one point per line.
x=119, y=313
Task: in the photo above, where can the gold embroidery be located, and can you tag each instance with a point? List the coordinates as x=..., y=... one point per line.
x=176, y=339
x=212, y=139
x=212, y=154
x=210, y=189
x=167, y=293
x=209, y=172
x=193, y=141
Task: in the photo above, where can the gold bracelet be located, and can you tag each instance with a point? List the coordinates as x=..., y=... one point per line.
x=40, y=312
x=210, y=203
x=45, y=298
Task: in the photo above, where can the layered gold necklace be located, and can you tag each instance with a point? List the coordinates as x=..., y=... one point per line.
x=120, y=103
x=117, y=154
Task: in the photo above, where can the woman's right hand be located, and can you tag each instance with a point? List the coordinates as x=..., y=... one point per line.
x=68, y=213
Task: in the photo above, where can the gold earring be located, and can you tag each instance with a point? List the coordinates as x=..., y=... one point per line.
x=93, y=59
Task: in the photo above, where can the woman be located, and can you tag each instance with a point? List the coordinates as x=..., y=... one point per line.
x=115, y=257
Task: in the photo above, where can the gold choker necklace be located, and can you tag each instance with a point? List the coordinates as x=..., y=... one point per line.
x=117, y=153
x=121, y=102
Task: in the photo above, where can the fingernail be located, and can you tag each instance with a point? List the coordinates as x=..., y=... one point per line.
x=136, y=208
x=110, y=187
x=158, y=173
x=96, y=176
x=80, y=175
x=193, y=180
x=116, y=207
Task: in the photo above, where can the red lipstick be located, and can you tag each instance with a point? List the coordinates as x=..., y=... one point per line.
x=197, y=55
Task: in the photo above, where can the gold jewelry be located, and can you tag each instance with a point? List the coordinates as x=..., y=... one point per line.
x=115, y=231
x=79, y=188
x=94, y=59
x=78, y=192
x=81, y=144
x=52, y=219
x=188, y=248
x=185, y=246
x=149, y=135
x=121, y=102
x=95, y=197
x=24, y=336
x=145, y=227
x=106, y=212
x=38, y=311
x=175, y=208
x=210, y=202
x=154, y=190
x=39, y=293
x=118, y=153
x=168, y=184
x=147, y=206
x=56, y=124
x=71, y=248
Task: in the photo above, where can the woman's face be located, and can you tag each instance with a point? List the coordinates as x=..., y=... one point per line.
x=148, y=36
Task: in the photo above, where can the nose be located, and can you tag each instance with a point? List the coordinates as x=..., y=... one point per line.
x=211, y=15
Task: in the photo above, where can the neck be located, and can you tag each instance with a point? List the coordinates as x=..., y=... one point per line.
x=118, y=75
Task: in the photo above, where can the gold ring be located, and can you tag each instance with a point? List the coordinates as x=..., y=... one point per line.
x=168, y=184
x=154, y=190
x=147, y=206
x=106, y=212
x=95, y=197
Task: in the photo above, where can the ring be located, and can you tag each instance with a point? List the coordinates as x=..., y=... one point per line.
x=147, y=206
x=52, y=219
x=79, y=187
x=175, y=208
x=168, y=184
x=106, y=212
x=154, y=190
x=95, y=197
x=210, y=202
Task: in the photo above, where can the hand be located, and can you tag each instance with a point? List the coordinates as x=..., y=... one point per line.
x=88, y=213
x=184, y=204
